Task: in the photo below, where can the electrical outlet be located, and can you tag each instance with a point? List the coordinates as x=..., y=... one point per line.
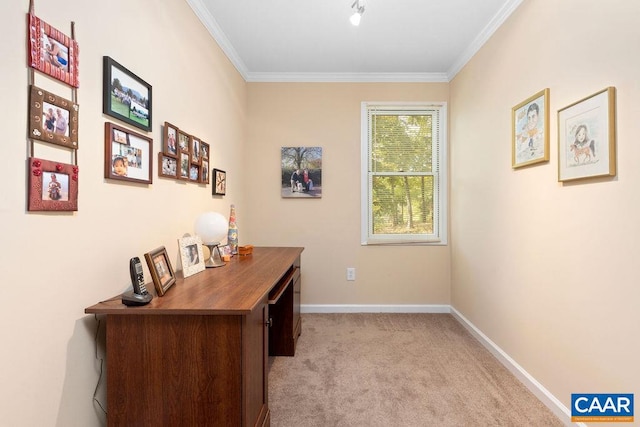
x=351, y=274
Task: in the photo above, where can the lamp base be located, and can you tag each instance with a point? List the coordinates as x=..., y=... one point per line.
x=213, y=260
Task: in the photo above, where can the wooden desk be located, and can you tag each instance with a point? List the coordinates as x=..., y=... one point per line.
x=198, y=355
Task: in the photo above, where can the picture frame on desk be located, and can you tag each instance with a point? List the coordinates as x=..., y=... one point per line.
x=161, y=270
x=191, y=255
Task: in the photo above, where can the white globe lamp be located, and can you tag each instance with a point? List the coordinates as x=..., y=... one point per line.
x=212, y=227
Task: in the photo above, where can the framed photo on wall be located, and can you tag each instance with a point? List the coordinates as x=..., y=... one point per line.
x=530, y=130
x=170, y=140
x=167, y=166
x=52, y=52
x=127, y=155
x=587, y=137
x=53, y=186
x=52, y=118
x=126, y=96
x=219, y=182
x=301, y=172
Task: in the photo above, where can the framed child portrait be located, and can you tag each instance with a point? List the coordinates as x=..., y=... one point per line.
x=52, y=52
x=53, y=186
x=127, y=155
x=170, y=142
x=52, y=118
x=530, y=130
x=161, y=270
x=587, y=137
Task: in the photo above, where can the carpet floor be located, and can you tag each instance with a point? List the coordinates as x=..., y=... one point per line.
x=410, y=370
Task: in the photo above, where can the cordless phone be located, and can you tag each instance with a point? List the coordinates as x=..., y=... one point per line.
x=139, y=295
x=137, y=277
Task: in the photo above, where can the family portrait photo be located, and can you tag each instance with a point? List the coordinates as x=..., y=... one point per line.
x=301, y=172
x=126, y=96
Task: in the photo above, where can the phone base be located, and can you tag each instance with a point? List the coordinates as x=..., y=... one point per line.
x=131, y=298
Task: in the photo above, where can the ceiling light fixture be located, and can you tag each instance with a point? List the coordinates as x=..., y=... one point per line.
x=358, y=5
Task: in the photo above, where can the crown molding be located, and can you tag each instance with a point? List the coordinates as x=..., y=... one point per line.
x=218, y=35
x=482, y=38
x=348, y=77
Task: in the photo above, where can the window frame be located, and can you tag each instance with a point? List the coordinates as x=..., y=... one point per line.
x=440, y=145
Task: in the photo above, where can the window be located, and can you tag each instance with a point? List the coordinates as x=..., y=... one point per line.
x=404, y=184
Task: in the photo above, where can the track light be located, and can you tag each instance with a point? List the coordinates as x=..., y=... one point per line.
x=358, y=6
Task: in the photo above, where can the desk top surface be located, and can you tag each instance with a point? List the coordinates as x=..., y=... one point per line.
x=236, y=288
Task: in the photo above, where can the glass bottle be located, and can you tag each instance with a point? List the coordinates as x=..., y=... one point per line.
x=232, y=238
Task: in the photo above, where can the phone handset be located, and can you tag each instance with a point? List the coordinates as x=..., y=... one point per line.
x=139, y=295
x=137, y=276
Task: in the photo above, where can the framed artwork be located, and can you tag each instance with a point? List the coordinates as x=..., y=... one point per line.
x=52, y=52
x=126, y=96
x=204, y=148
x=191, y=255
x=170, y=141
x=205, y=172
x=183, y=142
x=195, y=150
x=52, y=118
x=127, y=155
x=587, y=137
x=530, y=130
x=184, y=166
x=194, y=173
x=301, y=173
x=160, y=268
x=219, y=182
x=167, y=166
x=53, y=186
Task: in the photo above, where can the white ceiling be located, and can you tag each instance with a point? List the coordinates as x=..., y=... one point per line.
x=397, y=40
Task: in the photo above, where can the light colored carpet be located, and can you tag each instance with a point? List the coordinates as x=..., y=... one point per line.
x=396, y=370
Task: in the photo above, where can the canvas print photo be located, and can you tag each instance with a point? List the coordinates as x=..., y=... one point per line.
x=301, y=172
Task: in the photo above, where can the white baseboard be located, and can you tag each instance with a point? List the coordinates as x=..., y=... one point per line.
x=548, y=399
x=366, y=308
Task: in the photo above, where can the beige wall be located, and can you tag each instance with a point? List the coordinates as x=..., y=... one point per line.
x=548, y=271
x=55, y=264
x=328, y=115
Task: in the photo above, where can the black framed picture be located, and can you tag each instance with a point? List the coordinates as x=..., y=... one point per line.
x=126, y=96
x=219, y=182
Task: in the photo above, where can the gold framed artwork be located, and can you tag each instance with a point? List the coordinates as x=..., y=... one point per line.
x=530, y=130
x=587, y=137
x=161, y=270
x=52, y=118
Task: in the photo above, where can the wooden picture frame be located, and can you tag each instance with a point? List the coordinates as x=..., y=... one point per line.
x=52, y=118
x=204, y=172
x=219, y=182
x=170, y=140
x=167, y=166
x=587, y=137
x=194, y=149
x=161, y=270
x=127, y=155
x=194, y=173
x=184, y=164
x=125, y=96
x=52, y=52
x=530, y=130
x=53, y=186
x=183, y=142
x=204, y=148
x=191, y=255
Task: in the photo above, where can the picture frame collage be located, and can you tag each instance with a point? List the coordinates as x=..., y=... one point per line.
x=53, y=119
x=586, y=135
x=184, y=157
